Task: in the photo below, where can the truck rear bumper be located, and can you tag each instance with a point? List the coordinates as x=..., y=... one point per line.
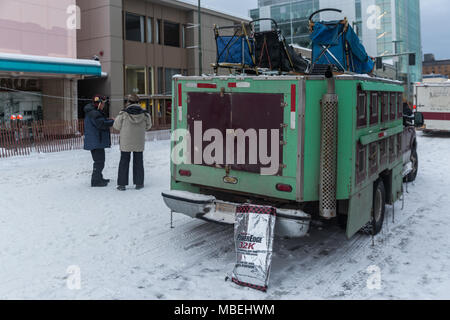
x=289, y=223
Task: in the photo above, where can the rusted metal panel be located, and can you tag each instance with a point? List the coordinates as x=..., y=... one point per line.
x=228, y=112
x=361, y=163
x=383, y=152
x=256, y=111
x=362, y=109
x=213, y=110
x=373, y=158
x=393, y=107
x=374, y=108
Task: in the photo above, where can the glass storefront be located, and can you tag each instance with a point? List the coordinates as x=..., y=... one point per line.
x=27, y=104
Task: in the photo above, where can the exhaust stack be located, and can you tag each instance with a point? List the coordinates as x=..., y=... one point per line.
x=328, y=154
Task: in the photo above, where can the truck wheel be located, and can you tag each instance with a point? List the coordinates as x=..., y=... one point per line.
x=378, y=208
x=415, y=167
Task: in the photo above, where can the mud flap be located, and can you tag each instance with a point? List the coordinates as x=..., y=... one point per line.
x=397, y=181
x=359, y=210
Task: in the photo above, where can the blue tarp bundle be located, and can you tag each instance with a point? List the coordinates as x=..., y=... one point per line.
x=229, y=50
x=331, y=35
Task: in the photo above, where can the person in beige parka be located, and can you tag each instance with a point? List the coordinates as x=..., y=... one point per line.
x=132, y=122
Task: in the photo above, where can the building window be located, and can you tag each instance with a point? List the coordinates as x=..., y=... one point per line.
x=29, y=106
x=171, y=34
x=160, y=80
x=169, y=73
x=183, y=36
x=134, y=27
x=158, y=35
x=150, y=30
x=150, y=81
x=135, y=80
x=358, y=26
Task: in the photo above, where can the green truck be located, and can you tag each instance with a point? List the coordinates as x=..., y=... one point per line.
x=342, y=150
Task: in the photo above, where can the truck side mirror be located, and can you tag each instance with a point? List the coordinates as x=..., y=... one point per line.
x=418, y=119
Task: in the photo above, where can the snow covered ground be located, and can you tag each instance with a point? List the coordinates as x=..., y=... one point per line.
x=52, y=222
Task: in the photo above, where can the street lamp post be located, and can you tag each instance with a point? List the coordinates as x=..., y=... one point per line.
x=200, y=58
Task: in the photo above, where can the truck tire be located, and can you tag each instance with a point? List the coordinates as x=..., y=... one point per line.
x=415, y=167
x=378, y=209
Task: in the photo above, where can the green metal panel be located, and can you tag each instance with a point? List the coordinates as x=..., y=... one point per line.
x=375, y=136
x=346, y=91
x=315, y=89
x=348, y=136
x=247, y=182
x=366, y=135
x=379, y=86
x=360, y=210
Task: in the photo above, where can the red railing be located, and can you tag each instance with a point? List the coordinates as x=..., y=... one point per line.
x=21, y=138
x=18, y=138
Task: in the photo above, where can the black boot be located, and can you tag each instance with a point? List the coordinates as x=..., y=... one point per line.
x=121, y=188
x=139, y=186
x=100, y=183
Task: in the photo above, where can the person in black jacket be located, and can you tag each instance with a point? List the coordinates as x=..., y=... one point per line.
x=97, y=137
x=408, y=115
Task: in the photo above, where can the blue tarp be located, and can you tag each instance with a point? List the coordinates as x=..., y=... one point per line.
x=229, y=50
x=330, y=35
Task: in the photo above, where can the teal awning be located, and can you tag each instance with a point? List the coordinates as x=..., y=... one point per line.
x=49, y=65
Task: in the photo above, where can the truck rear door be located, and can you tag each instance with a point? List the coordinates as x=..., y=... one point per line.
x=257, y=107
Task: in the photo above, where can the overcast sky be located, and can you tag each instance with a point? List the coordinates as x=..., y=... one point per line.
x=435, y=27
x=435, y=21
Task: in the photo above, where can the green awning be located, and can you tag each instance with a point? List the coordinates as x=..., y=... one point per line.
x=49, y=65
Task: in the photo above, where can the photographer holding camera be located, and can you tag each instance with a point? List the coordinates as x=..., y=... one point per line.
x=97, y=137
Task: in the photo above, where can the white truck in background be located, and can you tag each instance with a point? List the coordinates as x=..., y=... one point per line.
x=433, y=101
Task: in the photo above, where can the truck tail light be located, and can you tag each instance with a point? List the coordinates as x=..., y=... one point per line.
x=180, y=103
x=293, y=105
x=185, y=173
x=239, y=85
x=206, y=85
x=284, y=187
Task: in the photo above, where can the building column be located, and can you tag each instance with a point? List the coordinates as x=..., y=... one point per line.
x=60, y=99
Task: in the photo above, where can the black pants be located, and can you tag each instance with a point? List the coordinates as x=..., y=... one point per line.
x=98, y=155
x=138, y=168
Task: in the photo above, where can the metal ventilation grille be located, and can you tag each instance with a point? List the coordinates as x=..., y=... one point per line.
x=328, y=156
